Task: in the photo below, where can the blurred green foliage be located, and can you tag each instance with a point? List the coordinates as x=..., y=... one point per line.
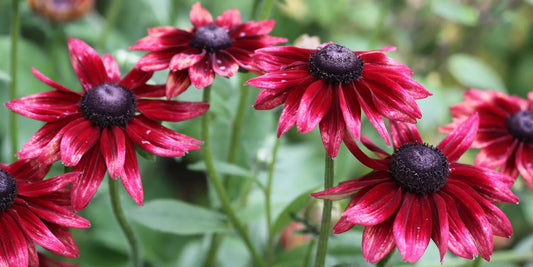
x=450, y=45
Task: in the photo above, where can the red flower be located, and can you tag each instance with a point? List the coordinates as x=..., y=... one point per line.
x=421, y=192
x=96, y=130
x=505, y=133
x=211, y=47
x=329, y=86
x=35, y=210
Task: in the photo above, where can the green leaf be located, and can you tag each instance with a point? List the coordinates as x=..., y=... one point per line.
x=177, y=217
x=456, y=12
x=223, y=168
x=474, y=73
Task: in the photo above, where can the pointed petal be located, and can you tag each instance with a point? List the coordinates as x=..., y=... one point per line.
x=13, y=242
x=279, y=57
x=47, y=186
x=289, y=113
x=201, y=74
x=130, y=177
x=378, y=241
x=36, y=230
x=27, y=170
x=63, y=234
x=460, y=139
x=93, y=166
x=51, y=212
x=49, y=81
x=111, y=66
x=412, y=227
x=113, y=148
x=440, y=230
x=47, y=106
x=186, y=59
x=351, y=110
x=158, y=139
x=524, y=154
x=77, y=141
x=314, y=104
x=164, y=110
x=136, y=78
x=332, y=130
x=364, y=96
x=200, y=16
x=253, y=28
x=229, y=19
x=87, y=64
x=223, y=64
x=497, y=153
x=375, y=206
x=350, y=187
x=148, y=90
x=155, y=61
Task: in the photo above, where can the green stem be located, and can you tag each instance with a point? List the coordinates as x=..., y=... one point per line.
x=308, y=253
x=255, y=8
x=267, y=9
x=320, y=259
x=15, y=27
x=268, y=211
x=118, y=212
x=213, y=177
x=476, y=262
x=111, y=18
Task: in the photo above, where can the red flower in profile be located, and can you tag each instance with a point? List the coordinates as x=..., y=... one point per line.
x=505, y=134
x=421, y=192
x=35, y=210
x=330, y=85
x=211, y=47
x=96, y=130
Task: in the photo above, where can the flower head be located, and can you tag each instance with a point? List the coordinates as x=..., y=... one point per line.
x=421, y=192
x=96, y=130
x=35, y=210
x=505, y=135
x=330, y=85
x=211, y=47
x=61, y=10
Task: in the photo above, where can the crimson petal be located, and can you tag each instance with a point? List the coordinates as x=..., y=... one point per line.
x=314, y=104
x=161, y=110
x=378, y=241
x=77, y=141
x=460, y=139
x=87, y=64
x=130, y=177
x=13, y=242
x=113, y=148
x=93, y=166
x=201, y=74
x=200, y=16
x=375, y=206
x=177, y=83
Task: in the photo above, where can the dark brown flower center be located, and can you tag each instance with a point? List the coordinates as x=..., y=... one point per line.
x=419, y=168
x=8, y=190
x=108, y=105
x=211, y=38
x=336, y=64
x=520, y=126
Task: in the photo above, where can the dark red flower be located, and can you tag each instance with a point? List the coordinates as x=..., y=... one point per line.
x=96, y=130
x=211, y=47
x=421, y=192
x=330, y=85
x=505, y=134
x=35, y=210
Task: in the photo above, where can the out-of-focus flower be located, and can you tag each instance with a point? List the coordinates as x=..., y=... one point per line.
x=421, y=192
x=35, y=210
x=293, y=236
x=61, y=10
x=330, y=85
x=505, y=134
x=96, y=130
x=211, y=47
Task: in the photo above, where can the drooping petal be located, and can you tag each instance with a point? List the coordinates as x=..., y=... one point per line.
x=177, y=83
x=149, y=90
x=200, y=16
x=87, y=64
x=314, y=104
x=40, y=188
x=55, y=214
x=524, y=162
x=130, y=177
x=378, y=241
x=412, y=227
x=496, y=153
x=460, y=139
x=351, y=110
x=62, y=233
x=288, y=114
x=332, y=130
x=376, y=164
x=13, y=243
x=77, y=141
x=376, y=206
x=161, y=110
x=364, y=95
x=27, y=170
x=93, y=166
x=113, y=148
x=279, y=57
x=202, y=74
x=440, y=229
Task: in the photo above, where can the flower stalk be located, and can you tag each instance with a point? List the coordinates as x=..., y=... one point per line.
x=268, y=208
x=322, y=247
x=15, y=27
x=215, y=180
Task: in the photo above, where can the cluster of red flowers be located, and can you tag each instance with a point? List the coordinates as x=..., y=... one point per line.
x=417, y=193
